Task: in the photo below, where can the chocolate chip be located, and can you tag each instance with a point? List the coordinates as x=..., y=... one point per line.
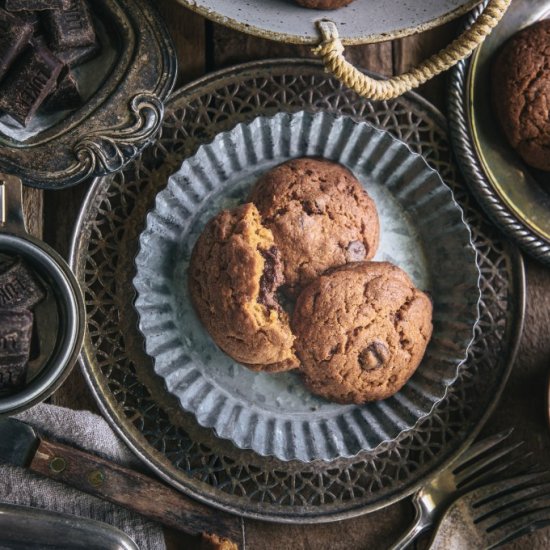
x=72, y=27
x=374, y=356
x=356, y=251
x=14, y=37
x=28, y=84
x=15, y=340
x=271, y=279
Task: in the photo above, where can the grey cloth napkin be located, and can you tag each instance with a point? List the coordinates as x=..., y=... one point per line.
x=92, y=433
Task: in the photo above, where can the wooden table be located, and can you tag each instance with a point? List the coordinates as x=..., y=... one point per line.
x=202, y=47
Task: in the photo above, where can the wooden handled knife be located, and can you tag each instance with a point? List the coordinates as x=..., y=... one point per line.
x=20, y=445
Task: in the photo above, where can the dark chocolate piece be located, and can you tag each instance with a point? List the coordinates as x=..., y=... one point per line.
x=28, y=84
x=271, y=278
x=15, y=339
x=14, y=37
x=37, y=5
x=72, y=27
x=19, y=288
x=65, y=96
x=76, y=56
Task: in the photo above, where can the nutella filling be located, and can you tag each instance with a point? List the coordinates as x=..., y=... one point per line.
x=271, y=279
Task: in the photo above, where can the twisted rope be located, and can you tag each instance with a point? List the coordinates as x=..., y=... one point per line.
x=332, y=50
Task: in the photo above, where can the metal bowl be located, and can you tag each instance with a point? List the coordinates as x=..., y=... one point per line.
x=63, y=339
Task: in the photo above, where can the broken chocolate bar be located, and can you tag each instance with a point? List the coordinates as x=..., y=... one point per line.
x=19, y=288
x=14, y=37
x=76, y=56
x=65, y=96
x=29, y=83
x=37, y=5
x=72, y=27
x=15, y=339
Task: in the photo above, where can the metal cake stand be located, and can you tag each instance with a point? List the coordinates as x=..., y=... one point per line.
x=133, y=398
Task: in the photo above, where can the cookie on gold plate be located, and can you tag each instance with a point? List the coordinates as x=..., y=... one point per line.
x=234, y=274
x=361, y=331
x=320, y=215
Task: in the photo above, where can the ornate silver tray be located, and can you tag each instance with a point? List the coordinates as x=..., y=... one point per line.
x=514, y=195
x=363, y=21
x=134, y=398
x=123, y=90
x=422, y=230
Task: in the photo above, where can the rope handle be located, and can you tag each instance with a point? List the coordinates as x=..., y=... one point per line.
x=332, y=52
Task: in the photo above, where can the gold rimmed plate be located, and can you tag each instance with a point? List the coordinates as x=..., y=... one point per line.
x=515, y=195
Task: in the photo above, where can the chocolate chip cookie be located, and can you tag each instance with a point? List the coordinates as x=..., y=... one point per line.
x=320, y=215
x=361, y=331
x=234, y=274
x=324, y=4
x=521, y=93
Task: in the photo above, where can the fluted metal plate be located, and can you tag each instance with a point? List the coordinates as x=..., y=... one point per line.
x=514, y=195
x=422, y=231
x=150, y=419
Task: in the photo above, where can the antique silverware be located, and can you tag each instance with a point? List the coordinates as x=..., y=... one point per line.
x=59, y=318
x=473, y=468
x=27, y=528
x=150, y=420
x=21, y=446
x=124, y=89
x=495, y=514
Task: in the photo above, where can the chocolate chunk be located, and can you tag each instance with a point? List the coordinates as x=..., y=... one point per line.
x=271, y=278
x=356, y=251
x=65, y=96
x=19, y=288
x=15, y=340
x=76, y=56
x=72, y=27
x=29, y=83
x=14, y=37
x=374, y=356
x=37, y=5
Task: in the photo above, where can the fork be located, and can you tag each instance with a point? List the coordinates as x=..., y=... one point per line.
x=473, y=468
x=495, y=514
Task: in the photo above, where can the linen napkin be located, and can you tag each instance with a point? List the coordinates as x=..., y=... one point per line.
x=90, y=432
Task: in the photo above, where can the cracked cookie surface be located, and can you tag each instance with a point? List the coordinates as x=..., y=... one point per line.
x=234, y=274
x=320, y=215
x=361, y=331
x=521, y=93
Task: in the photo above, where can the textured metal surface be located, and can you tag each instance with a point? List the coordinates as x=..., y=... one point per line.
x=124, y=90
x=150, y=420
x=363, y=21
x=422, y=231
x=513, y=195
x=27, y=528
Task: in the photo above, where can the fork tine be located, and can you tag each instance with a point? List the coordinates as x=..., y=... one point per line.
x=467, y=474
x=481, y=446
x=518, y=527
x=513, y=466
x=493, y=512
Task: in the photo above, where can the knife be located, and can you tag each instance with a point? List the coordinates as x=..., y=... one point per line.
x=20, y=445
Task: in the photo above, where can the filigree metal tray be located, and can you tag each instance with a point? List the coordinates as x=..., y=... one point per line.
x=124, y=89
x=151, y=421
x=514, y=195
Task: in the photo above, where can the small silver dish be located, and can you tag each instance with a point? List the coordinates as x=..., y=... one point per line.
x=59, y=319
